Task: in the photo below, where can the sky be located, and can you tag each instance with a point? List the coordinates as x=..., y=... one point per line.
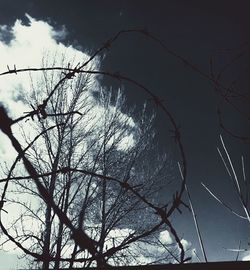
x=193, y=30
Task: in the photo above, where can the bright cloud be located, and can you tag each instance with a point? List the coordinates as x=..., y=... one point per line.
x=33, y=45
x=26, y=46
x=149, y=252
x=165, y=238
x=186, y=244
x=246, y=256
x=11, y=261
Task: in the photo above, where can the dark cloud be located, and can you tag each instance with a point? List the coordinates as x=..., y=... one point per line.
x=6, y=34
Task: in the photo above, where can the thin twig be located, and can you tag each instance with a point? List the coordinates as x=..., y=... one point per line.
x=194, y=218
x=221, y=202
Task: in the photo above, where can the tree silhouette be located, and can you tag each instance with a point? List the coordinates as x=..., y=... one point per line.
x=93, y=171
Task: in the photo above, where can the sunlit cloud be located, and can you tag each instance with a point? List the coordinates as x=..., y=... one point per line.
x=28, y=46
x=31, y=45
x=34, y=44
x=165, y=237
x=246, y=256
x=186, y=244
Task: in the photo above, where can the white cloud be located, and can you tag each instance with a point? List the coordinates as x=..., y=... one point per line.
x=165, y=237
x=116, y=236
x=26, y=46
x=29, y=45
x=10, y=261
x=148, y=252
x=186, y=244
x=34, y=45
x=246, y=256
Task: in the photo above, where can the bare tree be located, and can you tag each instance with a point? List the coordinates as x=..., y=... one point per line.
x=95, y=167
x=92, y=170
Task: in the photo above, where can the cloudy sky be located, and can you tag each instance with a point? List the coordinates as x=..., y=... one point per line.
x=193, y=31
